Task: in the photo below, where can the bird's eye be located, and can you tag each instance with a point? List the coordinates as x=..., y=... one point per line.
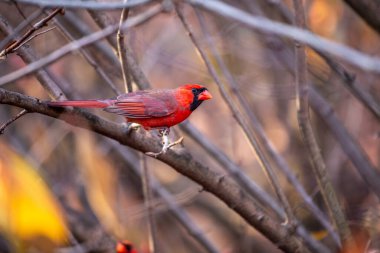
x=194, y=90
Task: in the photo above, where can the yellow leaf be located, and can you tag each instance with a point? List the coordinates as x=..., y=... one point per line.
x=28, y=210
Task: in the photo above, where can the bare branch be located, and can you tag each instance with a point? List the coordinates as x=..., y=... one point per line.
x=134, y=69
x=177, y=211
x=6, y=124
x=147, y=190
x=28, y=35
x=348, y=79
x=84, y=52
x=28, y=56
x=350, y=55
x=319, y=167
x=264, y=140
x=93, y=5
x=182, y=161
x=121, y=52
x=352, y=148
x=264, y=163
x=368, y=10
x=19, y=28
x=75, y=45
x=248, y=185
x=354, y=152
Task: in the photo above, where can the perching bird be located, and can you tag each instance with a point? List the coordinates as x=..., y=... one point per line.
x=125, y=247
x=152, y=109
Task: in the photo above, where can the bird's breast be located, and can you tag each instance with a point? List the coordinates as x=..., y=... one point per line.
x=162, y=122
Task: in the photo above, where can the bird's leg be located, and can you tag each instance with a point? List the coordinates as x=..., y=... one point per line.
x=131, y=126
x=164, y=134
x=165, y=140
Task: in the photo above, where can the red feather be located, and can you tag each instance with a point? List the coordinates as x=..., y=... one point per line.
x=150, y=108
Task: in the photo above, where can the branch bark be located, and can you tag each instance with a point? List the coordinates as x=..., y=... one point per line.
x=182, y=161
x=319, y=167
x=75, y=45
x=368, y=10
x=350, y=55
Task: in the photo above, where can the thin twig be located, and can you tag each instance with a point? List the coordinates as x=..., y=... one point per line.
x=84, y=52
x=28, y=56
x=6, y=124
x=43, y=22
x=121, y=52
x=134, y=69
x=260, y=195
x=352, y=149
x=177, y=211
x=264, y=163
x=83, y=29
x=348, y=79
x=224, y=188
x=264, y=140
x=152, y=230
x=18, y=9
x=75, y=45
x=322, y=107
x=350, y=55
x=318, y=165
x=19, y=28
x=32, y=37
x=91, y=5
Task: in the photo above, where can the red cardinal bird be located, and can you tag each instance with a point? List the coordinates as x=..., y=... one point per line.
x=160, y=109
x=125, y=247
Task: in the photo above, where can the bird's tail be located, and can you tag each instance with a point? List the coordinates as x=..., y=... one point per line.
x=80, y=103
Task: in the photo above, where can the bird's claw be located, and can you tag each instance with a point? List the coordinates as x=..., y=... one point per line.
x=131, y=127
x=165, y=147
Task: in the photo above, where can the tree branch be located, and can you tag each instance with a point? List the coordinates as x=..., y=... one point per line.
x=93, y=5
x=75, y=45
x=318, y=165
x=263, y=161
x=121, y=52
x=350, y=55
x=368, y=10
x=29, y=34
x=182, y=161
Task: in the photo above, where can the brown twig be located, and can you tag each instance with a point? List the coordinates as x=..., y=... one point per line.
x=92, y=5
x=75, y=45
x=147, y=190
x=353, y=150
x=264, y=163
x=32, y=37
x=173, y=206
x=28, y=56
x=84, y=52
x=318, y=165
x=348, y=78
x=182, y=161
x=368, y=11
x=6, y=124
x=264, y=140
x=19, y=28
x=138, y=76
x=236, y=172
x=121, y=52
x=350, y=55
x=28, y=35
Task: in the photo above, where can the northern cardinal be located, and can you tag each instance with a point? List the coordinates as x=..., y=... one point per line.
x=125, y=247
x=158, y=109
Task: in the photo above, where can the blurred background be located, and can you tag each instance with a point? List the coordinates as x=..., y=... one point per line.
x=65, y=189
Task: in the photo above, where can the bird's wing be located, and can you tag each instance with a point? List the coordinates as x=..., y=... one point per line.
x=144, y=104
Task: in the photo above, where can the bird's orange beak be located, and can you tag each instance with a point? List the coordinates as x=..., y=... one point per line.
x=204, y=95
